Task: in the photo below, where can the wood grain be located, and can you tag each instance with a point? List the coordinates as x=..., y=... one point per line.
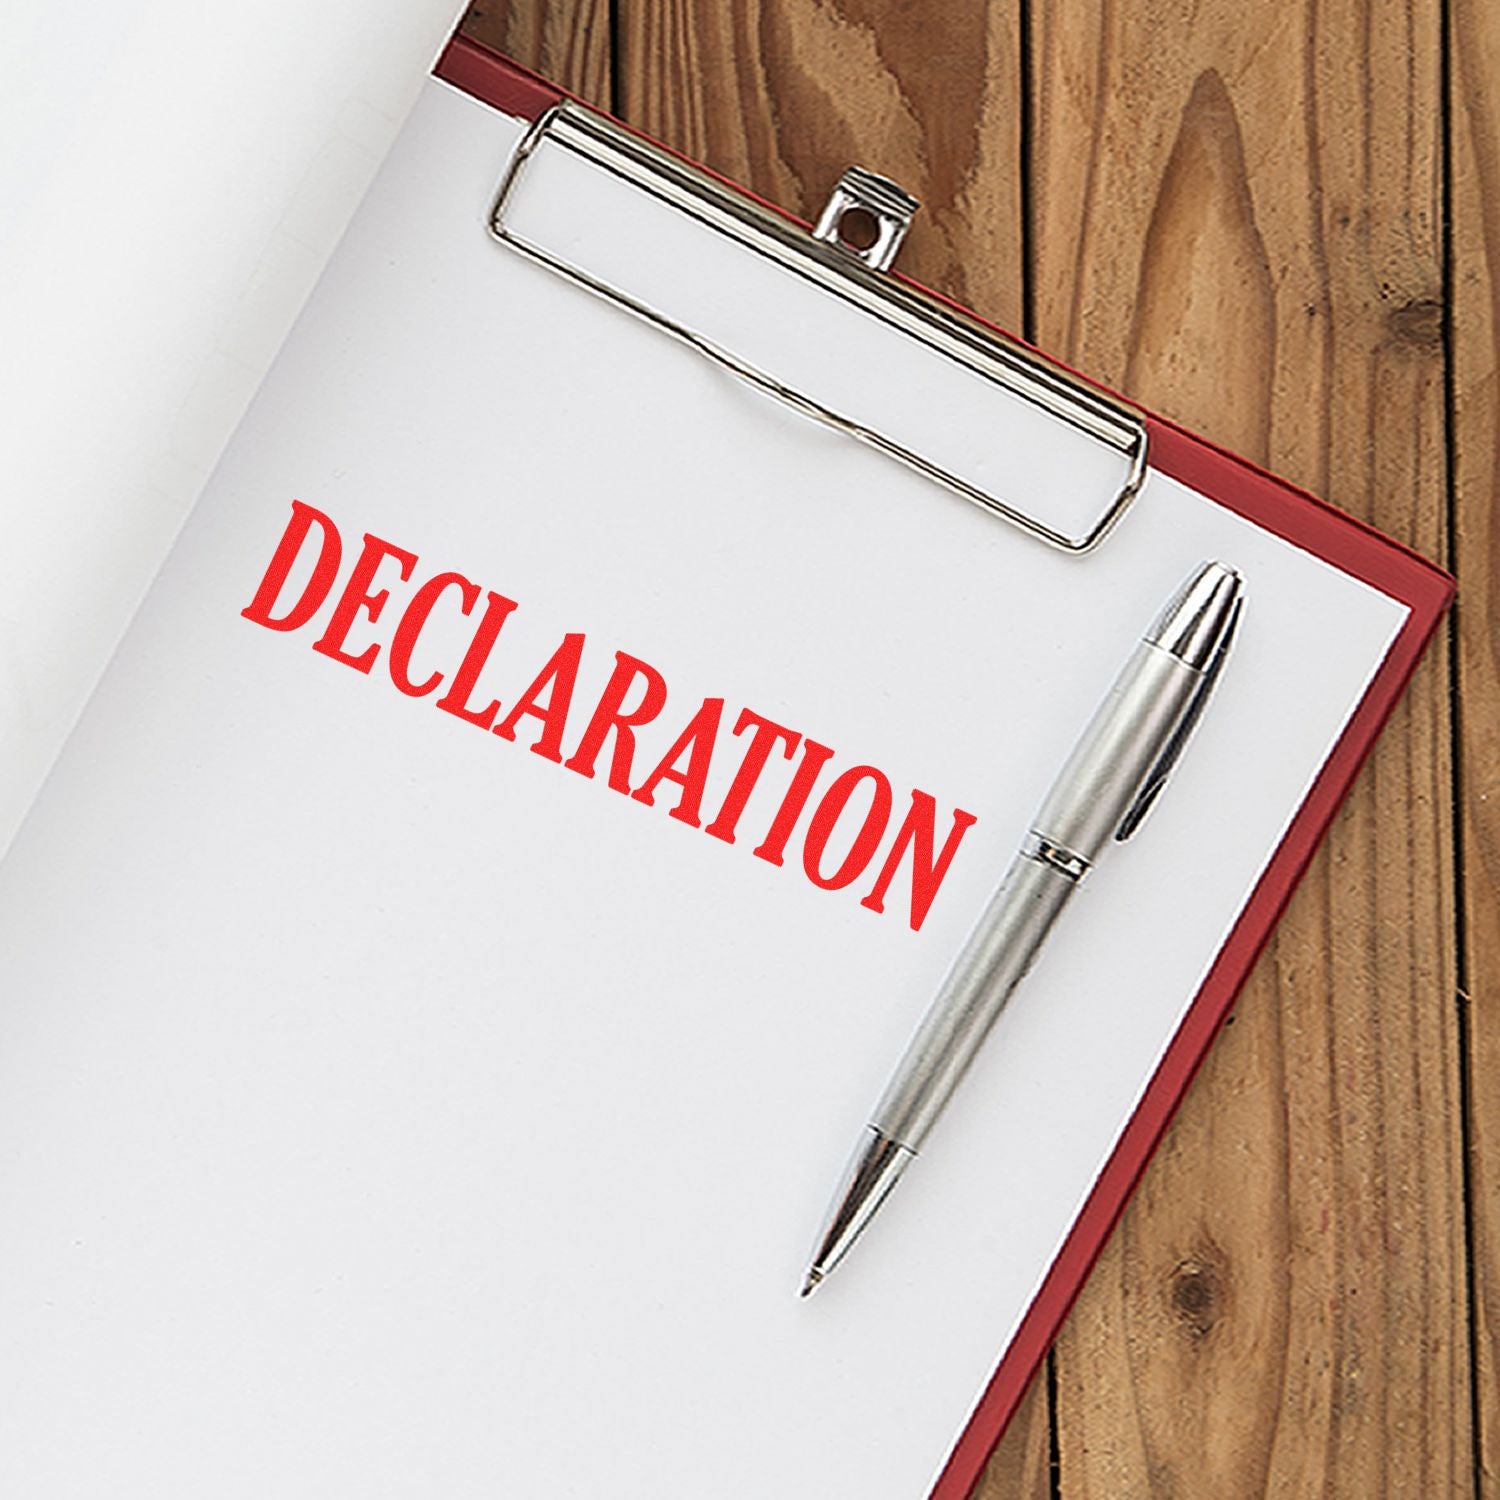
x=782, y=95
x=567, y=41
x=1474, y=116
x=1237, y=220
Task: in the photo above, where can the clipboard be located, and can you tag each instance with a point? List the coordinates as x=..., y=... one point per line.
x=498, y=141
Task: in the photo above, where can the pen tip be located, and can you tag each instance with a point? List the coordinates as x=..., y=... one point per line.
x=814, y=1276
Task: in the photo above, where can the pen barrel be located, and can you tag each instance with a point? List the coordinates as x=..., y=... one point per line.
x=993, y=962
x=1093, y=791
x=1128, y=733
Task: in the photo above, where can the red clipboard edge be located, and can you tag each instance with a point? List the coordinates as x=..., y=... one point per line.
x=496, y=80
x=1426, y=590
x=1305, y=521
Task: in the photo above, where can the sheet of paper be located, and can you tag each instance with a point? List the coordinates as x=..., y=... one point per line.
x=388, y=1109
x=171, y=184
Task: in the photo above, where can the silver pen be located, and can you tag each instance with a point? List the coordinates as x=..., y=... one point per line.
x=1116, y=769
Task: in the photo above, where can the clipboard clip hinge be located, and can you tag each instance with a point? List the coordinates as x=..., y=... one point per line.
x=866, y=216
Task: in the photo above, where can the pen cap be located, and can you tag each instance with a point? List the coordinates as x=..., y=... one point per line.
x=1193, y=622
x=1142, y=722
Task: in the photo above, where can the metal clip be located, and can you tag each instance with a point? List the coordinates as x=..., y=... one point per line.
x=867, y=216
x=860, y=231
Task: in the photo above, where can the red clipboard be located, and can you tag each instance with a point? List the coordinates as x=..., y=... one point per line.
x=388, y=1081
x=1310, y=524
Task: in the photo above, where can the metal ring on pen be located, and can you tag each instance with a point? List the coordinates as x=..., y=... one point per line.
x=1036, y=846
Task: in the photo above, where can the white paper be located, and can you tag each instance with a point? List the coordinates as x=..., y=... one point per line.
x=386, y=1110
x=171, y=184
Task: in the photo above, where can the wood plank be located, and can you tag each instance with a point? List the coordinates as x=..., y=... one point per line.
x=782, y=97
x=567, y=41
x=1474, y=115
x=1237, y=220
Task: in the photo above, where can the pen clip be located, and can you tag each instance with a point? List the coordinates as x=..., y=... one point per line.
x=1156, y=777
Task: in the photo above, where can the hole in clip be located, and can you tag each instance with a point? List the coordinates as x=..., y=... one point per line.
x=858, y=228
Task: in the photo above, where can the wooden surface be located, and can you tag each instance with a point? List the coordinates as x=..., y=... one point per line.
x=1278, y=221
